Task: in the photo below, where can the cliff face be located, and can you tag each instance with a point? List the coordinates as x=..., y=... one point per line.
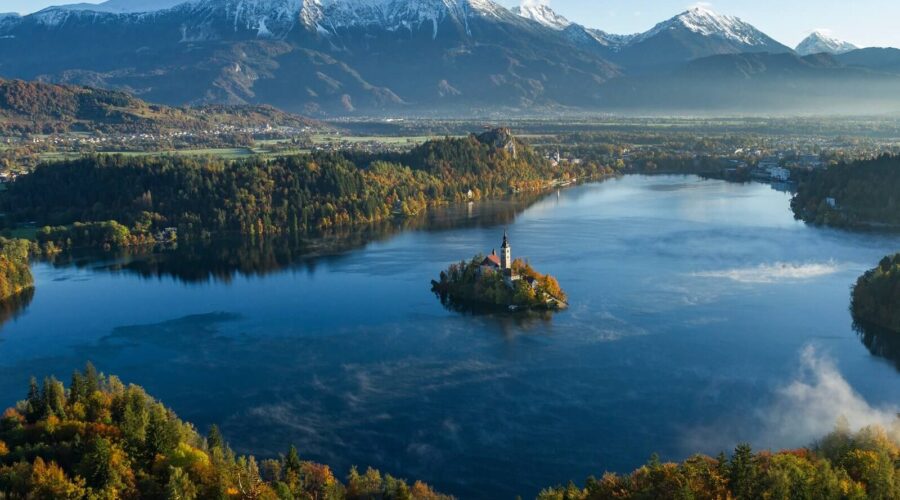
x=500, y=138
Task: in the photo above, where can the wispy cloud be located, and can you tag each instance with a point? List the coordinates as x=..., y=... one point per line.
x=773, y=273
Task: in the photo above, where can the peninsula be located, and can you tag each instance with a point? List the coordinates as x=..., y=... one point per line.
x=877, y=293
x=498, y=281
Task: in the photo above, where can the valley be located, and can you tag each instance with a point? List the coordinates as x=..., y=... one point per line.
x=439, y=249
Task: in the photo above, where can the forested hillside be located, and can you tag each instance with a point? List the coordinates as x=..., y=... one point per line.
x=207, y=196
x=102, y=439
x=858, y=194
x=43, y=108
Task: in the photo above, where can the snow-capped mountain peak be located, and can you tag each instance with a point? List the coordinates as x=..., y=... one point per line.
x=542, y=14
x=125, y=6
x=820, y=41
x=706, y=22
x=275, y=18
x=329, y=16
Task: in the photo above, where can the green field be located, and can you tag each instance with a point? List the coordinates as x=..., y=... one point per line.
x=262, y=148
x=228, y=153
x=359, y=139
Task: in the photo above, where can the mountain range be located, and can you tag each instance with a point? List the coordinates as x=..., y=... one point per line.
x=444, y=57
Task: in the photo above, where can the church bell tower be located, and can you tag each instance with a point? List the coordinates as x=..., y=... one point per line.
x=505, y=253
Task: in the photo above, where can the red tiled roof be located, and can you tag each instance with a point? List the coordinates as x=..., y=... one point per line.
x=491, y=260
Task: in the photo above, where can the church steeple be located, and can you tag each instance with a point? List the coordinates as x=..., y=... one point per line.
x=506, y=253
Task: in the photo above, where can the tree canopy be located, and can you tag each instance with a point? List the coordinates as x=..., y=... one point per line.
x=101, y=439
x=201, y=196
x=855, y=194
x=876, y=295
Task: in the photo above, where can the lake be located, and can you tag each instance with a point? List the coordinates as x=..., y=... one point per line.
x=701, y=315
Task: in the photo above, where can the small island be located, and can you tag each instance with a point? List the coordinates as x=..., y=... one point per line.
x=876, y=295
x=498, y=282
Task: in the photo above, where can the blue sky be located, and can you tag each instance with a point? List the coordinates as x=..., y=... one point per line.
x=863, y=22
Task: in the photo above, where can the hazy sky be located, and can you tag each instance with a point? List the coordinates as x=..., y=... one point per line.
x=863, y=22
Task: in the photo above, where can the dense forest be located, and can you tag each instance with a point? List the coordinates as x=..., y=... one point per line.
x=843, y=465
x=15, y=272
x=858, y=194
x=45, y=108
x=876, y=295
x=204, y=196
x=101, y=439
x=466, y=284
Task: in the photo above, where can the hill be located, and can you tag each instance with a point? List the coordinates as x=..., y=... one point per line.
x=281, y=196
x=858, y=194
x=99, y=438
x=44, y=108
x=876, y=295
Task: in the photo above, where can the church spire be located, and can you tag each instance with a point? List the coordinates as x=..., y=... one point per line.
x=506, y=253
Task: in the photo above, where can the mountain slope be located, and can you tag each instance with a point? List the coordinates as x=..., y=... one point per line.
x=311, y=56
x=879, y=59
x=758, y=83
x=693, y=34
x=125, y=6
x=542, y=14
x=819, y=42
x=33, y=107
x=589, y=39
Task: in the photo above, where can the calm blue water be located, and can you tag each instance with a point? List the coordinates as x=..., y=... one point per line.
x=692, y=305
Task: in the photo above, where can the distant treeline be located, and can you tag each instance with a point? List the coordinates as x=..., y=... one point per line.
x=202, y=196
x=858, y=194
x=876, y=295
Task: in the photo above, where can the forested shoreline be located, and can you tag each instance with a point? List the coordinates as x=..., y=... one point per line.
x=15, y=271
x=100, y=438
x=137, y=197
x=876, y=295
x=860, y=194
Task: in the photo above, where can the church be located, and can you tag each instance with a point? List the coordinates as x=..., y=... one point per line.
x=502, y=263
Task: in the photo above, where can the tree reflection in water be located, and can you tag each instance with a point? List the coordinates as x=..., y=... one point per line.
x=880, y=341
x=225, y=258
x=15, y=305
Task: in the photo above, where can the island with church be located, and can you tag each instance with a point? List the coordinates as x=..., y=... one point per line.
x=497, y=282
